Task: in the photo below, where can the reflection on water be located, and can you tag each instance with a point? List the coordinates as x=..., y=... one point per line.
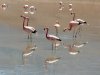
x=29, y=49
x=74, y=47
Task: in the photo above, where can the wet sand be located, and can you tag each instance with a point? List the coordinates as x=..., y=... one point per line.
x=13, y=40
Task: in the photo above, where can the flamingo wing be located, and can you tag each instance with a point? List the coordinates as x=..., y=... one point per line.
x=30, y=28
x=52, y=37
x=57, y=25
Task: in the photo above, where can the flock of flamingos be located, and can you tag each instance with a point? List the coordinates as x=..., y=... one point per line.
x=75, y=25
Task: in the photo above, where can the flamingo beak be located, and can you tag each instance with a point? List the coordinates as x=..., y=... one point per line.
x=85, y=22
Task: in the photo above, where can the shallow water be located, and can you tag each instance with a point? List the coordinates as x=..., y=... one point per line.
x=13, y=41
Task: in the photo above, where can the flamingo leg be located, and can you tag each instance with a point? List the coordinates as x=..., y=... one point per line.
x=56, y=31
x=28, y=36
x=52, y=47
x=74, y=35
x=77, y=33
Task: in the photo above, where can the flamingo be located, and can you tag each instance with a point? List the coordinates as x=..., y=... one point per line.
x=4, y=6
x=76, y=24
x=70, y=7
x=51, y=38
x=57, y=25
x=26, y=9
x=61, y=6
x=27, y=28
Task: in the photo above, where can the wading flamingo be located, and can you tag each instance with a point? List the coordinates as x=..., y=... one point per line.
x=52, y=38
x=27, y=28
x=57, y=25
x=75, y=22
x=76, y=25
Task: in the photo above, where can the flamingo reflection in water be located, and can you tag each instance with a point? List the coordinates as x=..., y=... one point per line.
x=51, y=60
x=28, y=29
x=29, y=49
x=72, y=48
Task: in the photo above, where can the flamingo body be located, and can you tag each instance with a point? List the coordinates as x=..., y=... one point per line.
x=72, y=24
x=30, y=29
x=81, y=21
x=53, y=38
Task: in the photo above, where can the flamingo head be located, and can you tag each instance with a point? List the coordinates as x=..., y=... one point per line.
x=60, y=2
x=72, y=13
x=46, y=28
x=24, y=17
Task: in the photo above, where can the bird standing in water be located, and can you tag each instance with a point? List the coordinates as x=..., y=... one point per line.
x=76, y=25
x=57, y=25
x=52, y=38
x=27, y=28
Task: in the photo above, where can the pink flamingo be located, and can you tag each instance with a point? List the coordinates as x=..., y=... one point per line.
x=52, y=38
x=74, y=23
x=27, y=28
x=57, y=25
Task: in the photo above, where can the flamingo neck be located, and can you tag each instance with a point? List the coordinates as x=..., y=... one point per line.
x=23, y=23
x=74, y=16
x=47, y=32
x=27, y=22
